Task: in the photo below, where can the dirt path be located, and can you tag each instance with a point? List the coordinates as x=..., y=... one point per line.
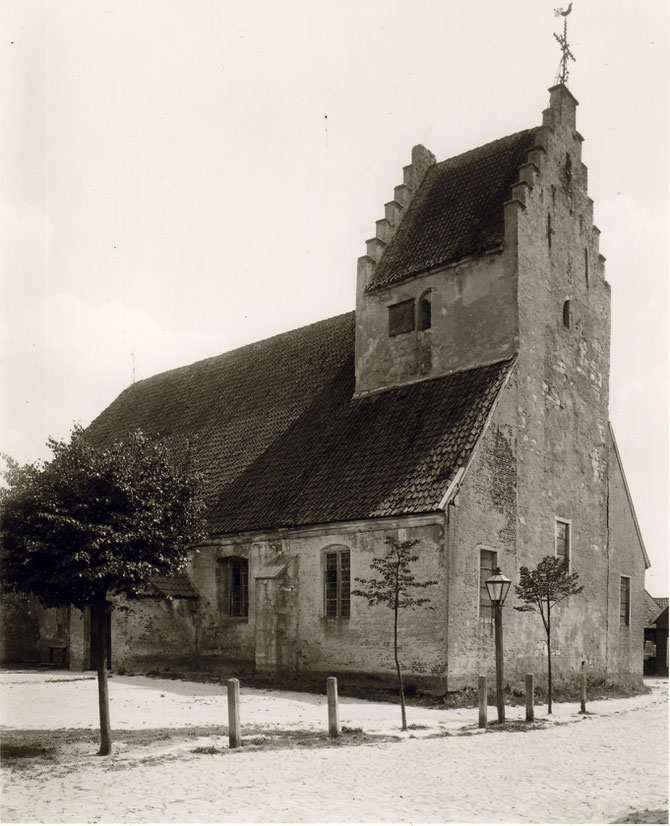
x=595, y=769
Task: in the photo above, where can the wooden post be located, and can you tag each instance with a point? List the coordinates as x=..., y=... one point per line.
x=333, y=711
x=234, y=737
x=582, y=708
x=530, y=698
x=481, y=692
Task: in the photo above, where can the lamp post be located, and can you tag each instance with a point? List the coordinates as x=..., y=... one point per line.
x=498, y=586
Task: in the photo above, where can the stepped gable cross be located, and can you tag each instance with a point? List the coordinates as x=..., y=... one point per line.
x=562, y=76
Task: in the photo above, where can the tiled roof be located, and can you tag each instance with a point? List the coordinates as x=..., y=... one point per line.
x=281, y=442
x=651, y=608
x=457, y=210
x=177, y=587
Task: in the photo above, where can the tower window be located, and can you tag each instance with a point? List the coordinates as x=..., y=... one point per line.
x=425, y=311
x=562, y=540
x=566, y=314
x=487, y=567
x=401, y=317
x=549, y=230
x=624, y=601
x=567, y=172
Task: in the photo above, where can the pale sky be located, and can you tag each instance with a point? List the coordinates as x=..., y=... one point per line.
x=180, y=177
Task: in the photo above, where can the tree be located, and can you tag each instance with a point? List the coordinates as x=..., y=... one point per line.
x=542, y=588
x=393, y=590
x=95, y=521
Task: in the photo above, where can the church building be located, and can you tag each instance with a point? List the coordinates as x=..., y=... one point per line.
x=463, y=404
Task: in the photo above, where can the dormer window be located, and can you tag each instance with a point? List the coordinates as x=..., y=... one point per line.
x=401, y=317
x=424, y=311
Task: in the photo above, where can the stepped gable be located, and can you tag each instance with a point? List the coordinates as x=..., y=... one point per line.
x=457, y=210
x=281, y=442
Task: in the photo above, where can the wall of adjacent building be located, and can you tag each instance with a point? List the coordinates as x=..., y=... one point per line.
x=32, y=633
x=625, y=643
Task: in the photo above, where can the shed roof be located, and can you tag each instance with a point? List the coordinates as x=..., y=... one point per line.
x=457, y=210
x=281, y=442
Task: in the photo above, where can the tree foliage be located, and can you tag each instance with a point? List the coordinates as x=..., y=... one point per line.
x=95, y=521
x=394, y=589
x=540, y=590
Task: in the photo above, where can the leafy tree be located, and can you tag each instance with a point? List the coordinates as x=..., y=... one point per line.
x=542, y=588
x=94, y=521
x=393, y=590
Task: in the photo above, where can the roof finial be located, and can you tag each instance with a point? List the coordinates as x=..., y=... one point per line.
x=562, y=75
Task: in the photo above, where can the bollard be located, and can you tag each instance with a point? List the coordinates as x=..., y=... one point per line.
x=582, y=707
x=530, y=698
x=481, y=693
x=333, y=712
x=234, y=737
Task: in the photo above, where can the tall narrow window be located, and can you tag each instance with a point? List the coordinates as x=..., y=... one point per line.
x=425, y=311
x=233, y=573
x=566, y=314
x=239, y=587
x=586, y=266
x=567, y=171
x=562, y=540
x=549, y=230
x=337, y=584
x=624, y=603
x=487, y=567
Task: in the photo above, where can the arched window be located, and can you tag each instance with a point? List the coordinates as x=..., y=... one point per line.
x=425, y=311
x=336, y=582
x=566, y=314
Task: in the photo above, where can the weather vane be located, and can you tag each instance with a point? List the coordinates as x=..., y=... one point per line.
x=562, y=76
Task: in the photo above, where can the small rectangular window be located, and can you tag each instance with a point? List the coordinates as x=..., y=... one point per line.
x=562, y=538
x=487, y=566
x=624, y=602
x=401, y=317
x=337, y=584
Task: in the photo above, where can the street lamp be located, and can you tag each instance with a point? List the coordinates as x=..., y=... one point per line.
x=498, y=586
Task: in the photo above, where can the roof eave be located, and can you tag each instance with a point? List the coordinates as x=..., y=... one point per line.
x=647, y=562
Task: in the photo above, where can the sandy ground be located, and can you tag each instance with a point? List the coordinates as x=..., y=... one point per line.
x=572, y=769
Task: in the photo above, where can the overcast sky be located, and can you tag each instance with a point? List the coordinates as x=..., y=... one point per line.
x=180, y=177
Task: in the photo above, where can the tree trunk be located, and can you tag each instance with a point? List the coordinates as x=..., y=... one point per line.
x=548, y=659
x=102, y=617
x=403, y=712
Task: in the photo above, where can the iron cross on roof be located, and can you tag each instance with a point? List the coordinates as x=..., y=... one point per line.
x=562, y=76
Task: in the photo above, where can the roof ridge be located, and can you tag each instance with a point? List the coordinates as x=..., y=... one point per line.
x=242, y=348
x=494, y=144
